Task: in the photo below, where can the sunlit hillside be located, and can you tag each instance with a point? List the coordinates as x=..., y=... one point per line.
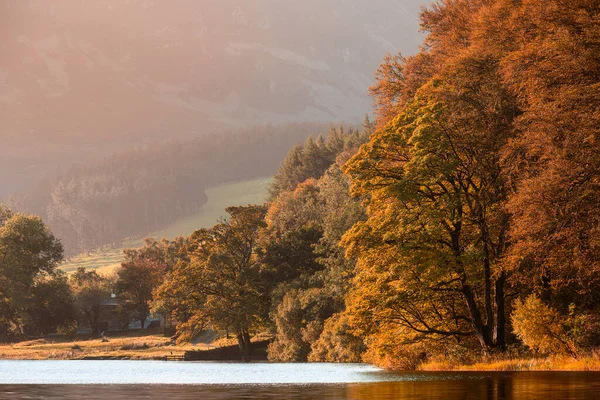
x=219, y=197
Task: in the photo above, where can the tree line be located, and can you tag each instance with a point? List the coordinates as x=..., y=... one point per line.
x=276, y=267
x=141, y=190
x=473, y=221
x=38, y=298
x=229, y=278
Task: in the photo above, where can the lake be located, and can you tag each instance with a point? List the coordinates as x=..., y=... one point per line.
x=206, y=380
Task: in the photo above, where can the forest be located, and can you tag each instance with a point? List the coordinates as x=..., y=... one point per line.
x=460, y=225
x=141, y=190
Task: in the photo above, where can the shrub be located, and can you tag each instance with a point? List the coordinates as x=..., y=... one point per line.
x=135, y=346
x=337, y=342
x=541, y=327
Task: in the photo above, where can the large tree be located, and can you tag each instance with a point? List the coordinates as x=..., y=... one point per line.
x=29, y=256
x=552, y=64
x=431, y=252
x=221, y=285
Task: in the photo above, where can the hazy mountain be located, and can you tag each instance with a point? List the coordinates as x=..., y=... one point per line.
x=86, y=76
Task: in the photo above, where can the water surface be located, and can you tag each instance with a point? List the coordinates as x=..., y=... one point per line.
x=180, y=380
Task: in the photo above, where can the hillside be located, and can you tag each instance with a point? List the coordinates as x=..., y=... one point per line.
x=85, y=77
x=143, y=189
x=218, y=198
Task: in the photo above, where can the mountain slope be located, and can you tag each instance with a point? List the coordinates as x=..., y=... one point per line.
x=86, y=77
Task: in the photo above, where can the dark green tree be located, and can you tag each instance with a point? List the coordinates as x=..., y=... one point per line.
x=137, y=279
x=29, y=256
x=90, y=290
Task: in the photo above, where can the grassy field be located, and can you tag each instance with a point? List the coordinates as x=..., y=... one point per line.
x=219, y=197
x=144, y=347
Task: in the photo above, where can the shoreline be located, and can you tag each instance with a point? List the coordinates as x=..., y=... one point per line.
x=548, y=364
x=150, y=347
x=159, y=348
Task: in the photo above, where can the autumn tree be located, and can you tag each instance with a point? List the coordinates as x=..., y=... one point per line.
x=541, y=327
x=551, y=63
x=337, y=342
x=50, y=306
x=431, y=252
x=301, y=258
x=223, y=278
x=163, y=251
x=143, y=271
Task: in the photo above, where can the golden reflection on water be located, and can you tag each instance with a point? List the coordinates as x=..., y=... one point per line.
x=487, y=386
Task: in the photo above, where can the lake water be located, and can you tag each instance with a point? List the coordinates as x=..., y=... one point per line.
x=181, y=380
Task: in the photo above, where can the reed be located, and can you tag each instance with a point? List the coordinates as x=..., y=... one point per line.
x=588, y=362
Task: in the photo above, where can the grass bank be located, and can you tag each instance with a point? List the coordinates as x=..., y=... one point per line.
x=156, y=347
x=142, y=347
x=588, y=362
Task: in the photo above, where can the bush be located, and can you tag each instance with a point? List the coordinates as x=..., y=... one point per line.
x=337, y=342
x=541, y=327
x=289, y=345
x=135, y=346
x=584, y=329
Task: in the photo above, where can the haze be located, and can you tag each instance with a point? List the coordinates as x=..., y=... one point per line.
x=83, y=78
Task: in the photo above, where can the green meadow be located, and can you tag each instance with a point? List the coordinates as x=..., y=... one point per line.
x=254, y=191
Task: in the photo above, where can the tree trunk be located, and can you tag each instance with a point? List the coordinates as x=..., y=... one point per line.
x=94, y=323
x=499, y=332
x=243, y=338
x=476, y=322
x=487, y=276
x=248, y=342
